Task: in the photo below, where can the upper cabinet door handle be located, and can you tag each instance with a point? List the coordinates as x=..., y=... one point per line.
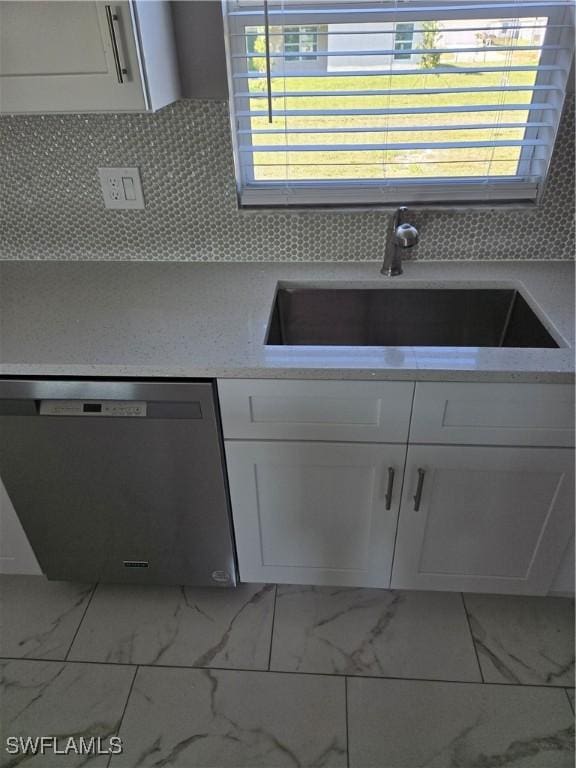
x=419, y=488
x=112, y=19
x=390, y=487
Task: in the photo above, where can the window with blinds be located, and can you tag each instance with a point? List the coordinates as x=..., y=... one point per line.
x=396, y=101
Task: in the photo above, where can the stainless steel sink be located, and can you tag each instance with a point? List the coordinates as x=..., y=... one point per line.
x=414, y=317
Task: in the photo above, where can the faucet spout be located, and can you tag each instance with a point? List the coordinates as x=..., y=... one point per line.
x=401, y=235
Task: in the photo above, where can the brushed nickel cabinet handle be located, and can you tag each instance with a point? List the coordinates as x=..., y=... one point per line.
x=390, y=487
x=112, y=17
x=419, y=487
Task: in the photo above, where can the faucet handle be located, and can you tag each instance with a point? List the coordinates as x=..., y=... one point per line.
x=406, y=235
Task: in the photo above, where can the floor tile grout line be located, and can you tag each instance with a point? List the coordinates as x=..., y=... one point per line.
x=273, y=620
x=302, y=673
x=472, y=637
x=124, y=710
x=347, y=729
x=81, y=621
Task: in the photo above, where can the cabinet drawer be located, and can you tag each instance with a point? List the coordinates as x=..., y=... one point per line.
x=356, y=411
x=493, y=414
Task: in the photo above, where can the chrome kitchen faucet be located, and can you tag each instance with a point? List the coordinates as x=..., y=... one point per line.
x=400, y=235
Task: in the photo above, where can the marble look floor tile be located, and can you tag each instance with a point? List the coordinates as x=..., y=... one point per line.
x=373, y=632
x=523, y=639
x=204, y=627
x=192, y=718
x=570, y=694
x=52, y=698
x=39, y=617
x=412, y=724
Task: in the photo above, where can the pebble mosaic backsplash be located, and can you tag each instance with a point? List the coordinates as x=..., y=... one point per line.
x=51, y=206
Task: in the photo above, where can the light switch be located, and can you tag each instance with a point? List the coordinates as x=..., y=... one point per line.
x=128, y=184
x=121, y=187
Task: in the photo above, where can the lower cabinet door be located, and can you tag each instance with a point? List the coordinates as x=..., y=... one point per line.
x=484, y=519
x=315, y=513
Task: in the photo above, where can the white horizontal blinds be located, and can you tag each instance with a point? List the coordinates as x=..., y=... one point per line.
x=395, y=102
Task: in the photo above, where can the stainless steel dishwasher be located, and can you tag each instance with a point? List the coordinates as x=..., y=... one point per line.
x=119, y=481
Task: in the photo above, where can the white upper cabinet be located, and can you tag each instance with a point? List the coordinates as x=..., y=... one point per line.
x=86, y=56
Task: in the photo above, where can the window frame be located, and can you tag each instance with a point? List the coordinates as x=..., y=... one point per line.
x=306, y=30
x=403, y=46
x=435, y=191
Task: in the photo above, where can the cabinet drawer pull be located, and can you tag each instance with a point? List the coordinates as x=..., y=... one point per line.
x=419, y=487
x=112, y=18
x=390, y=487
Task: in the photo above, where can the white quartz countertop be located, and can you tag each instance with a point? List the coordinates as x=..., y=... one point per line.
x=154, y=319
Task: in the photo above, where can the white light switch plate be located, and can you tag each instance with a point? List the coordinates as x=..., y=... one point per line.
x=121, y=187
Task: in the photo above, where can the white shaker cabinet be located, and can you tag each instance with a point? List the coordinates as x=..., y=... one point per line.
x=86, y=56
x=309, y=464
x=484, y=519
x=315, y=513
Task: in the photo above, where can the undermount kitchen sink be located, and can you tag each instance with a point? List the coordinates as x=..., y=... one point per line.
x=396, y=317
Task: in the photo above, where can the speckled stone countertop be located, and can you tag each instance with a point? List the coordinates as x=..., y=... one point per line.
x=153, y=319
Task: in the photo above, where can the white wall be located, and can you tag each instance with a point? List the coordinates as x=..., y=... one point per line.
x=383, y=38
x=564, y=581
x=16, y=555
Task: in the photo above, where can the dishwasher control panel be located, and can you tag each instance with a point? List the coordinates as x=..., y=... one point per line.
x=92, y=408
